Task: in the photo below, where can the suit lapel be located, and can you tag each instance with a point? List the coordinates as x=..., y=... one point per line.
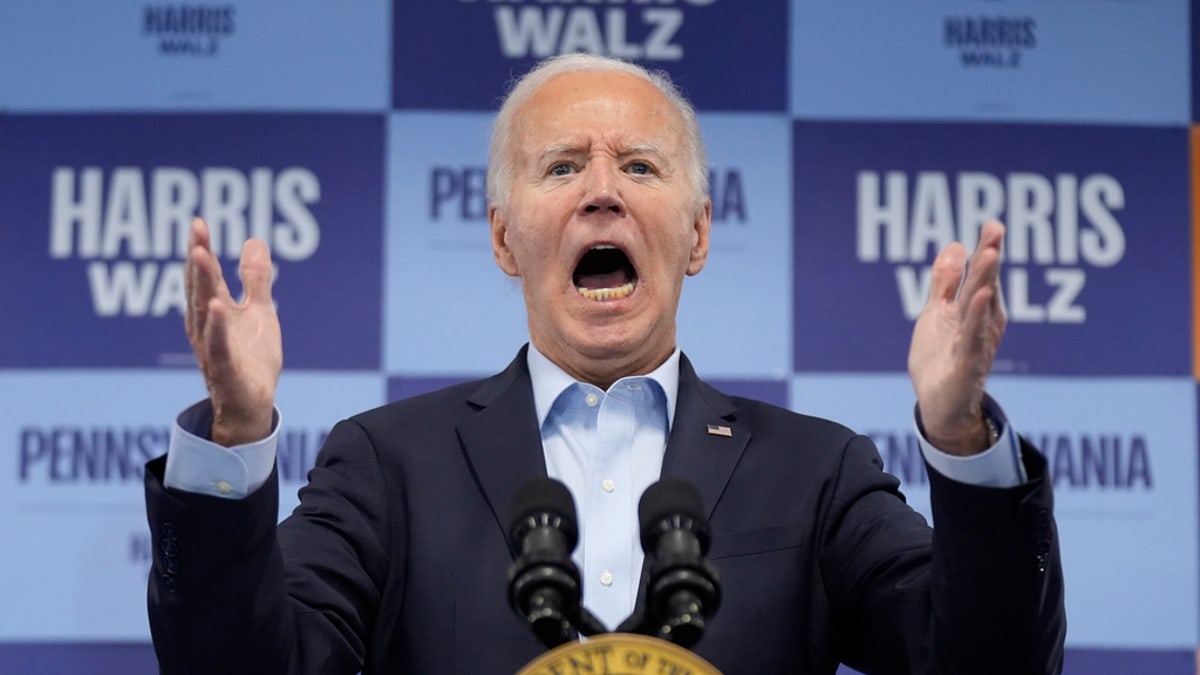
x=704, y=459
x=502, y=442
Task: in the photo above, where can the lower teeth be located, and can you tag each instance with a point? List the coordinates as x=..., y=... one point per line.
x=617, y=293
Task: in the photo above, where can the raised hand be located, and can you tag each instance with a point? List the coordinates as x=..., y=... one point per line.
x=237, y=345
x=955, y=341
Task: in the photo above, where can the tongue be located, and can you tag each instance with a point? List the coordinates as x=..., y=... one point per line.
x=612, y=279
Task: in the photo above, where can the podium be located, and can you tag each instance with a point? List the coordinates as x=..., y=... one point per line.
x=619, y=654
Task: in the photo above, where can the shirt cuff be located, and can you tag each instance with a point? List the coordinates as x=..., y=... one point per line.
x=196, y=464
x=998, y=466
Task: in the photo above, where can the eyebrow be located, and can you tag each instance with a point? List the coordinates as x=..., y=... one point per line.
x=643, y=149
x=558, y=149
x=561, y=149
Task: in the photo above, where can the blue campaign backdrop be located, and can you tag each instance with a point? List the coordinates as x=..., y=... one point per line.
x=848, y=141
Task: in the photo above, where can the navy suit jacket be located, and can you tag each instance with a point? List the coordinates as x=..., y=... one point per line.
x=396, y=559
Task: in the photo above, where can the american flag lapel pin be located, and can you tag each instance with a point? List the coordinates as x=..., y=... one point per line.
x=720, y=430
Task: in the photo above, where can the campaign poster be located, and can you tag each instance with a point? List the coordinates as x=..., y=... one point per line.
x=1095, y=275
x=1121, y=454
x=1008, y=60
x=123, y=55
x=724, y=54
x=95, y=212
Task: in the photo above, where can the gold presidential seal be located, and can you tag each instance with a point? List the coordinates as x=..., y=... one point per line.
x=619, y=654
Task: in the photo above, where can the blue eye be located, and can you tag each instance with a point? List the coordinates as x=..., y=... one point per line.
x=640, y=168
x=561, y=169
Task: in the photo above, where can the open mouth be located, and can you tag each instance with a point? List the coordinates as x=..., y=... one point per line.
x=604, y=273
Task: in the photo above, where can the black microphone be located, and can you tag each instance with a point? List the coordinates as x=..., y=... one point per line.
x=683, y=590
x=543, y=582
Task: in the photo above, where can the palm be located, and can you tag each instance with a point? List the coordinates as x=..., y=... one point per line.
x=238, y=346
x=955, y=342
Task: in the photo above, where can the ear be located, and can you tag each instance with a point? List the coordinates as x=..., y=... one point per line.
x=503, y=254
x=701, y=229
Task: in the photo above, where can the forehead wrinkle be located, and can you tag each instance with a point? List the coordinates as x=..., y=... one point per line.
x=560, y=149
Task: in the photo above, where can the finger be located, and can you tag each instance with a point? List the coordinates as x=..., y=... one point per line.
x=255, y=270
x=992, y=235
x=998, y=305
x=983, y=315
x=197, y=236
x=207, y=284
x=983, y=269
x=977, y=319
x=947, y=273
x=216, y=342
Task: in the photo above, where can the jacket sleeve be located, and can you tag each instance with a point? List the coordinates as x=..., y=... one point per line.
x=981, y=593
x=229, y=592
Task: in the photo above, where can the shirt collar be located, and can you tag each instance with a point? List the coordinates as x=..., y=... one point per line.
x=549, y=381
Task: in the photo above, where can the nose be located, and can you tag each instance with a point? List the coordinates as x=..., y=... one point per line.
x=601, y=190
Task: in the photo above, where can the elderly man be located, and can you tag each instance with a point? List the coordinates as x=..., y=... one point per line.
x=396, y=558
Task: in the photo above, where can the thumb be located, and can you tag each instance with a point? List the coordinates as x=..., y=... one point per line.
x=255, y=271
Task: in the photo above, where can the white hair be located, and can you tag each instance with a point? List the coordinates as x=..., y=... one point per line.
x=500, y=158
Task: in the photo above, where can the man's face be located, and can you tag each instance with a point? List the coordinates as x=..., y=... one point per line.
x=601, y=223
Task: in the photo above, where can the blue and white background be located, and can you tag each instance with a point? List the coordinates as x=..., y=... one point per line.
x=849, y=140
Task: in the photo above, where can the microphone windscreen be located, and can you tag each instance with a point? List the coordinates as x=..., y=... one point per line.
x=537, y=499
x=668, y=498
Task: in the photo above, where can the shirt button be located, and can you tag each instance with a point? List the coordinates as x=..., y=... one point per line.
x=224, y=487
x=607, y=485
x=606, y=578
x=591, y=399
x=633, y=386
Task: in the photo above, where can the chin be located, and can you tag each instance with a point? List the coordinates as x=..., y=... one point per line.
x=612, y=342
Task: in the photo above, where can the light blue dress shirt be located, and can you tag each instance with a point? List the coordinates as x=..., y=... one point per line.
x=606, y=446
